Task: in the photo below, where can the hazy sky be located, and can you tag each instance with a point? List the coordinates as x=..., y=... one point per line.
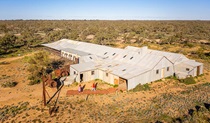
x=106, y=9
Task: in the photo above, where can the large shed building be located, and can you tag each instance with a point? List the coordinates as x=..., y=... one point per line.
x=126, y=67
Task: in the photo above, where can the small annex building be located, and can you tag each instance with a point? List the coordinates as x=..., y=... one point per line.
x=126, y=67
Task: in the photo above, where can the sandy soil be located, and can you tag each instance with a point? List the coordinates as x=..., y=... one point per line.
x=16, y=70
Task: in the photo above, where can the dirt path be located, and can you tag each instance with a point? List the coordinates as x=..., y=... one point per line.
x=15, y=58
x=106, y=91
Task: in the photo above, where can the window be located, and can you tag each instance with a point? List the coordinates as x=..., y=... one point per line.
x=124, y=70
x=105, y=53
x=124, y=56
x=157, y=71
x=107, y=74
x=113, y=54
x=131, y=58
x=74, y=72
x=91, y=58
x=109, y=65
x=167, y=68
x=92, y=72
x=187, y=69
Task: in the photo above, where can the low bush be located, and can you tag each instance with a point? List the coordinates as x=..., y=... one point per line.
x=188, y=80
x=115, y=86
x=206, y=84
x=9, y=84
x=33, y=82
x=4, y=63
x=140, y=87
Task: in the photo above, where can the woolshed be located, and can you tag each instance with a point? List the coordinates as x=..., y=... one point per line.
x=126, y=67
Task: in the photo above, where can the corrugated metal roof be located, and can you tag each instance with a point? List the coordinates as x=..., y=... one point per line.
x=173, y=57
x=62, y=44
x=125, y=63
x=192, y=63
x=89, y=58
x=80, y=53
x=86, y=66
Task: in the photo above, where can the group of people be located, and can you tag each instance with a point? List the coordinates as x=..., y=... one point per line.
x=80, y=89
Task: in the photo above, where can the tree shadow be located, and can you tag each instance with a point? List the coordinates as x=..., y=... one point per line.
x=178, y=120
x=190, y=112
x=96, y=84
x=83, y=87
x=58, y=82
x=56, y=64
x=207, y=106
x=197, y=107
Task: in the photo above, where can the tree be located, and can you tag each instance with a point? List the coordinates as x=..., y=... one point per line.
x=39, y=65
x=7, y=42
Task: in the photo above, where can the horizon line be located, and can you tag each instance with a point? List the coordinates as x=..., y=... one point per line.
x=108, y=19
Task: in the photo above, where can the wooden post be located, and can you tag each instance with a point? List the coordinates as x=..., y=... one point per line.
x=54, y=94
x=44, y=93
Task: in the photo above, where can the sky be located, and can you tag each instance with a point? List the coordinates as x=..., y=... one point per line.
x=105, y=9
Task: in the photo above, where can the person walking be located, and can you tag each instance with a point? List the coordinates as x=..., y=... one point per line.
x=80, y=89
x=94, y=87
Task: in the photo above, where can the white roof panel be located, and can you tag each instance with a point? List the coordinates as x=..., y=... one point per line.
x=192, y=63
x=126, y=63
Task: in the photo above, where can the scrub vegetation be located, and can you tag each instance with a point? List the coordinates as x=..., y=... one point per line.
x=166, y=100
x=188, y=80
x=19, y=36
x=9, y=84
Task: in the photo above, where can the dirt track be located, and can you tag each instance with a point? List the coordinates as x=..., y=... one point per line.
x=106, y=91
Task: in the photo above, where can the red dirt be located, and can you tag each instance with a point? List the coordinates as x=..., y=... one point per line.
x=75, y=92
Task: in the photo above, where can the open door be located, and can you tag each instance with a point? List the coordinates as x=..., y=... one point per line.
x=81, y=77
x=123, y=84
x=198, y=70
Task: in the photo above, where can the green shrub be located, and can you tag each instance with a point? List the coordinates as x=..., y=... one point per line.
x=188, y=80
x=9, y=84
x=166, y=118
x=33, y=82
x=39, y=64
x=76, y=83
x=187, y=44
x=140, y=87
x=4, y=63
x=172, y=77
x=115, y=86
x=206, y=84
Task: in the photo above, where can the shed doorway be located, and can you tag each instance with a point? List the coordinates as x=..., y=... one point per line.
x=76, y=60
x=198, y=70
x=116, y=81
x=81, y=77
x=123, y=84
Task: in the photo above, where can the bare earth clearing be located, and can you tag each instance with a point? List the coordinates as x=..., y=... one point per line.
x=166, y=99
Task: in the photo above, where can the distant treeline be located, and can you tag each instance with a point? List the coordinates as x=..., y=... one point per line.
x=26, y=33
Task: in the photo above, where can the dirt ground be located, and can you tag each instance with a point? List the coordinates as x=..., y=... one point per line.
x=79, y=108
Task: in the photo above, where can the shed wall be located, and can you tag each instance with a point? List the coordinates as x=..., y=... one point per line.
x=88, y=76
x=74, y=72
x=183, y=68
x=141, y=79
x=109, y=79
x=69, y=55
